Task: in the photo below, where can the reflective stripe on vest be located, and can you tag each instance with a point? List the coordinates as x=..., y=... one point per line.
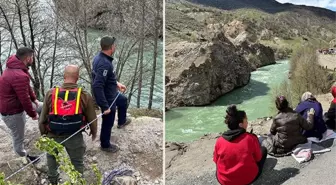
x=78, y=99
x=79, y=91
x=55, y=100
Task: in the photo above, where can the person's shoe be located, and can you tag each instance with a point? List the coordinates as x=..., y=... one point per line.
x=33, y=158
x=128, y=121
x=111, y=149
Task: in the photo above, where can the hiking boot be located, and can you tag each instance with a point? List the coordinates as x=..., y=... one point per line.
x=33, y=158
x=128, y=121
x=111, y=149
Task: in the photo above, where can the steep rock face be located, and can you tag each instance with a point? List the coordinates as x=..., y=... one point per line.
x=246, y=42
x=199, y=73
x=257, y=54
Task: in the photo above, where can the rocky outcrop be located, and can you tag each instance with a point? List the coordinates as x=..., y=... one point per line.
x=140, y=145
x=257, y=54
x=244, y=38
x=199, y=73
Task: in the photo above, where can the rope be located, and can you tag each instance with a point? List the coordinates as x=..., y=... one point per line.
x=40, y=156
x=115, y=173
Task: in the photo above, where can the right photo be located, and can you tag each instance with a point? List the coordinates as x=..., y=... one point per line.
x=250, y=92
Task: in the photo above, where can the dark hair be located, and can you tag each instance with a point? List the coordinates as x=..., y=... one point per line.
x=234, y=117
x=21, y=53
x=281, y=103
x=107, y=42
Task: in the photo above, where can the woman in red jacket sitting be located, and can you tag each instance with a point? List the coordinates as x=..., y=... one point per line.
x=238, y=155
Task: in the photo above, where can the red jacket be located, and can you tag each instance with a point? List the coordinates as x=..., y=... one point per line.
x=16, y=95
x=236, y=160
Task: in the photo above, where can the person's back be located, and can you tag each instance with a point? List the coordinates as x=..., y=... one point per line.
x=238, y=155
x=68, y=110
x=330, y=115
x=319, y=126
x=237, y=159
x=286, y=129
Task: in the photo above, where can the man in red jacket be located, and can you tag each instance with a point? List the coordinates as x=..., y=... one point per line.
x=17, y=97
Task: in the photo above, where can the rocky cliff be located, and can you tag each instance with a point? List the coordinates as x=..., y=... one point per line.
x=246, y=41
x=198, y=73
x=140, y=145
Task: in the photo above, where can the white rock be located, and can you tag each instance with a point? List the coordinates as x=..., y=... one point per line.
x=124, y=180
x=43, y=181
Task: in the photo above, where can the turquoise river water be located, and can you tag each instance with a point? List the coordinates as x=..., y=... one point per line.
x=189, y=123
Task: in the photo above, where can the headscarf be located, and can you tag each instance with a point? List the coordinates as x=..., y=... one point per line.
x=307, y=96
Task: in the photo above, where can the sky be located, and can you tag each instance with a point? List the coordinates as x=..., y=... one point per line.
x=329, y=4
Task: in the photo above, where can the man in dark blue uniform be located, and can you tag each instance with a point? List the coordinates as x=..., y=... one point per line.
x=105, y=88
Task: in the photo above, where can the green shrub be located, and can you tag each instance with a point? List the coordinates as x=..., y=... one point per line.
x=306, y=75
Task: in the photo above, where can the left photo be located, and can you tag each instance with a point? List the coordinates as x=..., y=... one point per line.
x=81, y=92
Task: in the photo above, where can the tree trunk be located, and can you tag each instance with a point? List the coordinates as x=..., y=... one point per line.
x=141, y=53
x=36, y=81
x=0, y=55
x=54, y=57
x=9, y=27
x=156, y=37
x=124, y=60
x=20, y=22
x=134, y=77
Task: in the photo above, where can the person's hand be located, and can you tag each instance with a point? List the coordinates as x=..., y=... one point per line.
x=311, y=112
x=121, y=87
x=36, y=102
x=107, y=112
x=36, y=117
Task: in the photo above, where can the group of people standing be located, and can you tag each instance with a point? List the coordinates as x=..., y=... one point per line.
x=238, y=152
x=66, y=109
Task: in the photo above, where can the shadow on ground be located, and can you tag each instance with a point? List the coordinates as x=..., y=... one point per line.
x=271, y=176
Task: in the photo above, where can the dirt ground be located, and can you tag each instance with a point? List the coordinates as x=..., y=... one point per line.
x=328, y=61
x=140, y=145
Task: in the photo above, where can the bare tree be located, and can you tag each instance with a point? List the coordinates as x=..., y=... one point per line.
x=142, y=36
x=9, y=26
x=157, y=28
x=54, y=55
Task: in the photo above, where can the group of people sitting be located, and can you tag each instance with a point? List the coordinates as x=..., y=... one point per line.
x=239, y=152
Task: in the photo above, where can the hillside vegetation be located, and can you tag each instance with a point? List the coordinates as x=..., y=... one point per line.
x=284, y=27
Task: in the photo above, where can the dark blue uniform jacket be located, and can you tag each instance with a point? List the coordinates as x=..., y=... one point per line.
x=104, y=80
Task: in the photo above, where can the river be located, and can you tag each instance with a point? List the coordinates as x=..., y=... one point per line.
x=185, y=124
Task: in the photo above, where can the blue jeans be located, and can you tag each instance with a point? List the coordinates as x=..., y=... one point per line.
x=122, y=108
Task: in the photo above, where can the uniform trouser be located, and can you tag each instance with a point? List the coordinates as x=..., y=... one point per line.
x=16, y=124
x=121, y=103
x=75, y=147
x=106, y=128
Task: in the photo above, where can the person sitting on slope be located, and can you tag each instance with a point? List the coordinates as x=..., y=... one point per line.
x=238, y=155
x=308, y=101
x=330, y=116
x=286, y=129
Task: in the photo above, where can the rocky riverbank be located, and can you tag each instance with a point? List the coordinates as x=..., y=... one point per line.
x=140, y=145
